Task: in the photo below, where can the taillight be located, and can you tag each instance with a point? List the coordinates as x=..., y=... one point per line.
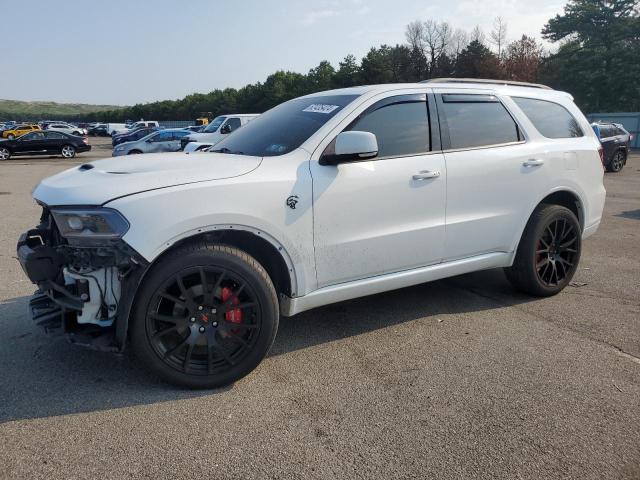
x=601, y=153
x=85, y=140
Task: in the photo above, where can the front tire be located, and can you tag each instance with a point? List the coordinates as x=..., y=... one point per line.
x=205, y=316
x=5, y=154
x=68, y=151
x=548, y=253
x=134, y=152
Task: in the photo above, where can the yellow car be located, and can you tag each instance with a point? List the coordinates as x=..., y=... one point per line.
x=19, y=130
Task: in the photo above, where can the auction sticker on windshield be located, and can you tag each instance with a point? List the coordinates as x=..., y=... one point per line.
x=320, y=108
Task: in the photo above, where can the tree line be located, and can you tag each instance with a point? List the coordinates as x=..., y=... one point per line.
x=596, y=58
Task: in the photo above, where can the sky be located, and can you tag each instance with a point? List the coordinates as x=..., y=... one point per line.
x=121, y=52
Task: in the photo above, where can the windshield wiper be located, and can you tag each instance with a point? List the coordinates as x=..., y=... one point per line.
x=226, y=150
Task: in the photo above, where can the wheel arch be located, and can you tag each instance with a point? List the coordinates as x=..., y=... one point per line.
x=564, y=196
x=263, y=247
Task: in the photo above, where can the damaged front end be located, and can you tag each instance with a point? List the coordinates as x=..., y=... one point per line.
x=86, y=274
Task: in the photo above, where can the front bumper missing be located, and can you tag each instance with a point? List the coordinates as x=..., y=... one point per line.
x=58, y=305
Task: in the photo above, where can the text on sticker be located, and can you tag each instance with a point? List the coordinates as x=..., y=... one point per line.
x=320, y=108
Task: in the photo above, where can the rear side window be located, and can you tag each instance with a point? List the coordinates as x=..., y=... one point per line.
x=477, y=121
x=54, y=136
x=550, y=119
x=400, y=124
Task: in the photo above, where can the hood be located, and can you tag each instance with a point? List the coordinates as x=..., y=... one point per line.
x=99, y=182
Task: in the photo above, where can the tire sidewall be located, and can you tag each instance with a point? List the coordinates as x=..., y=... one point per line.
x=168, y=267
x=548, y=214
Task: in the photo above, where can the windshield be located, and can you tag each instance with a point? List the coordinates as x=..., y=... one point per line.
x=213, y=126
x=285, y=127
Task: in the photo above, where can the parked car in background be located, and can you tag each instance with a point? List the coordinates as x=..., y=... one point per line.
x=219, y=127
x=66, y=128
x=113, y=128
x=197, y=147
x=19, y=130
x=135, y=126
x=44, y=142
x=161, y=141
x=615, y=142
x=97, y=129
x=132, y=136
x=195, y=128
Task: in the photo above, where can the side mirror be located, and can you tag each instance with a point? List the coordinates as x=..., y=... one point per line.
x=225, y=129
x=352, y=147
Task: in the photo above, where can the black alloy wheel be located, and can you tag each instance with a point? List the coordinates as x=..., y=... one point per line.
x=203, y=320
x=617, y=162
x=205, y=316
x=548, y=253
x=556, y=252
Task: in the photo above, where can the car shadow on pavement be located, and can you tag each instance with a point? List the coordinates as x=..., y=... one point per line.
x=43, y=375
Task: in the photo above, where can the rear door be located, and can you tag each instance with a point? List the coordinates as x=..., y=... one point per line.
x=489, y=186
x=387, y=214
x=54, y=141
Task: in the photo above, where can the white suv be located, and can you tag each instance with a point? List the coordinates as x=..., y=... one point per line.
x=324, y=198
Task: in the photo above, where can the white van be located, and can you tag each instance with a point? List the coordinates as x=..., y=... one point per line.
x=218, y=128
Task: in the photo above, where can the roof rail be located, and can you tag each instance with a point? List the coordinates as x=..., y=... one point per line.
x=487, y=81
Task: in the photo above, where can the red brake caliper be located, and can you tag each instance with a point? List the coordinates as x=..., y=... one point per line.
x=235, y=315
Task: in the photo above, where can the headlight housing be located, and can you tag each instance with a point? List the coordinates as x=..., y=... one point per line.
x=93, y=224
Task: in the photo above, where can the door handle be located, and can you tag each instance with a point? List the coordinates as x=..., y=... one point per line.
x=533, y=162
x=426, y=175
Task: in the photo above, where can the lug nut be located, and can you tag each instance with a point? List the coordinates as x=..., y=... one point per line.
x=192, y=319
x=213, y=310
x=200, y=307
x=201, y=329
x=215, y=324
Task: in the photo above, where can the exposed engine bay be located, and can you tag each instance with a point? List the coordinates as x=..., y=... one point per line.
x=84, y=288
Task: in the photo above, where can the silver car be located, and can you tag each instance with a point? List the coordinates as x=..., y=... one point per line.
x=161, y=141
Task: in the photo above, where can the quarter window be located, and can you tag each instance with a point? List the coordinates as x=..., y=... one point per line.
x=477, y=121
x=551, y=119
x=400, y=124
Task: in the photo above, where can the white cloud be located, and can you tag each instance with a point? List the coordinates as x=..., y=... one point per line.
x=315, y=16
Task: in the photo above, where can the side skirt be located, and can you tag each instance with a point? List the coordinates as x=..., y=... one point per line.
x=392, y=281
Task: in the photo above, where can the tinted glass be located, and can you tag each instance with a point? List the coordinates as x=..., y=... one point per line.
x=163, y=137
x=234, y=123
x=213, y=126
x=179, y=135
x=550, y=119
x=285, y=127
x=401, y=128
x=478, y=123
x=54, y=135
x=31, y=136
x=606, y=132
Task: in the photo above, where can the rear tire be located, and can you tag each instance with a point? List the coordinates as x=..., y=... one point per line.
x=68, y=151
x=617, y=162
x=5, y=154
x=548, y=252
x=205, y=316
x=11, y=136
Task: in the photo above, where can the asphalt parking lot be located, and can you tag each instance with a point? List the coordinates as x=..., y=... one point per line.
x=461, y=378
